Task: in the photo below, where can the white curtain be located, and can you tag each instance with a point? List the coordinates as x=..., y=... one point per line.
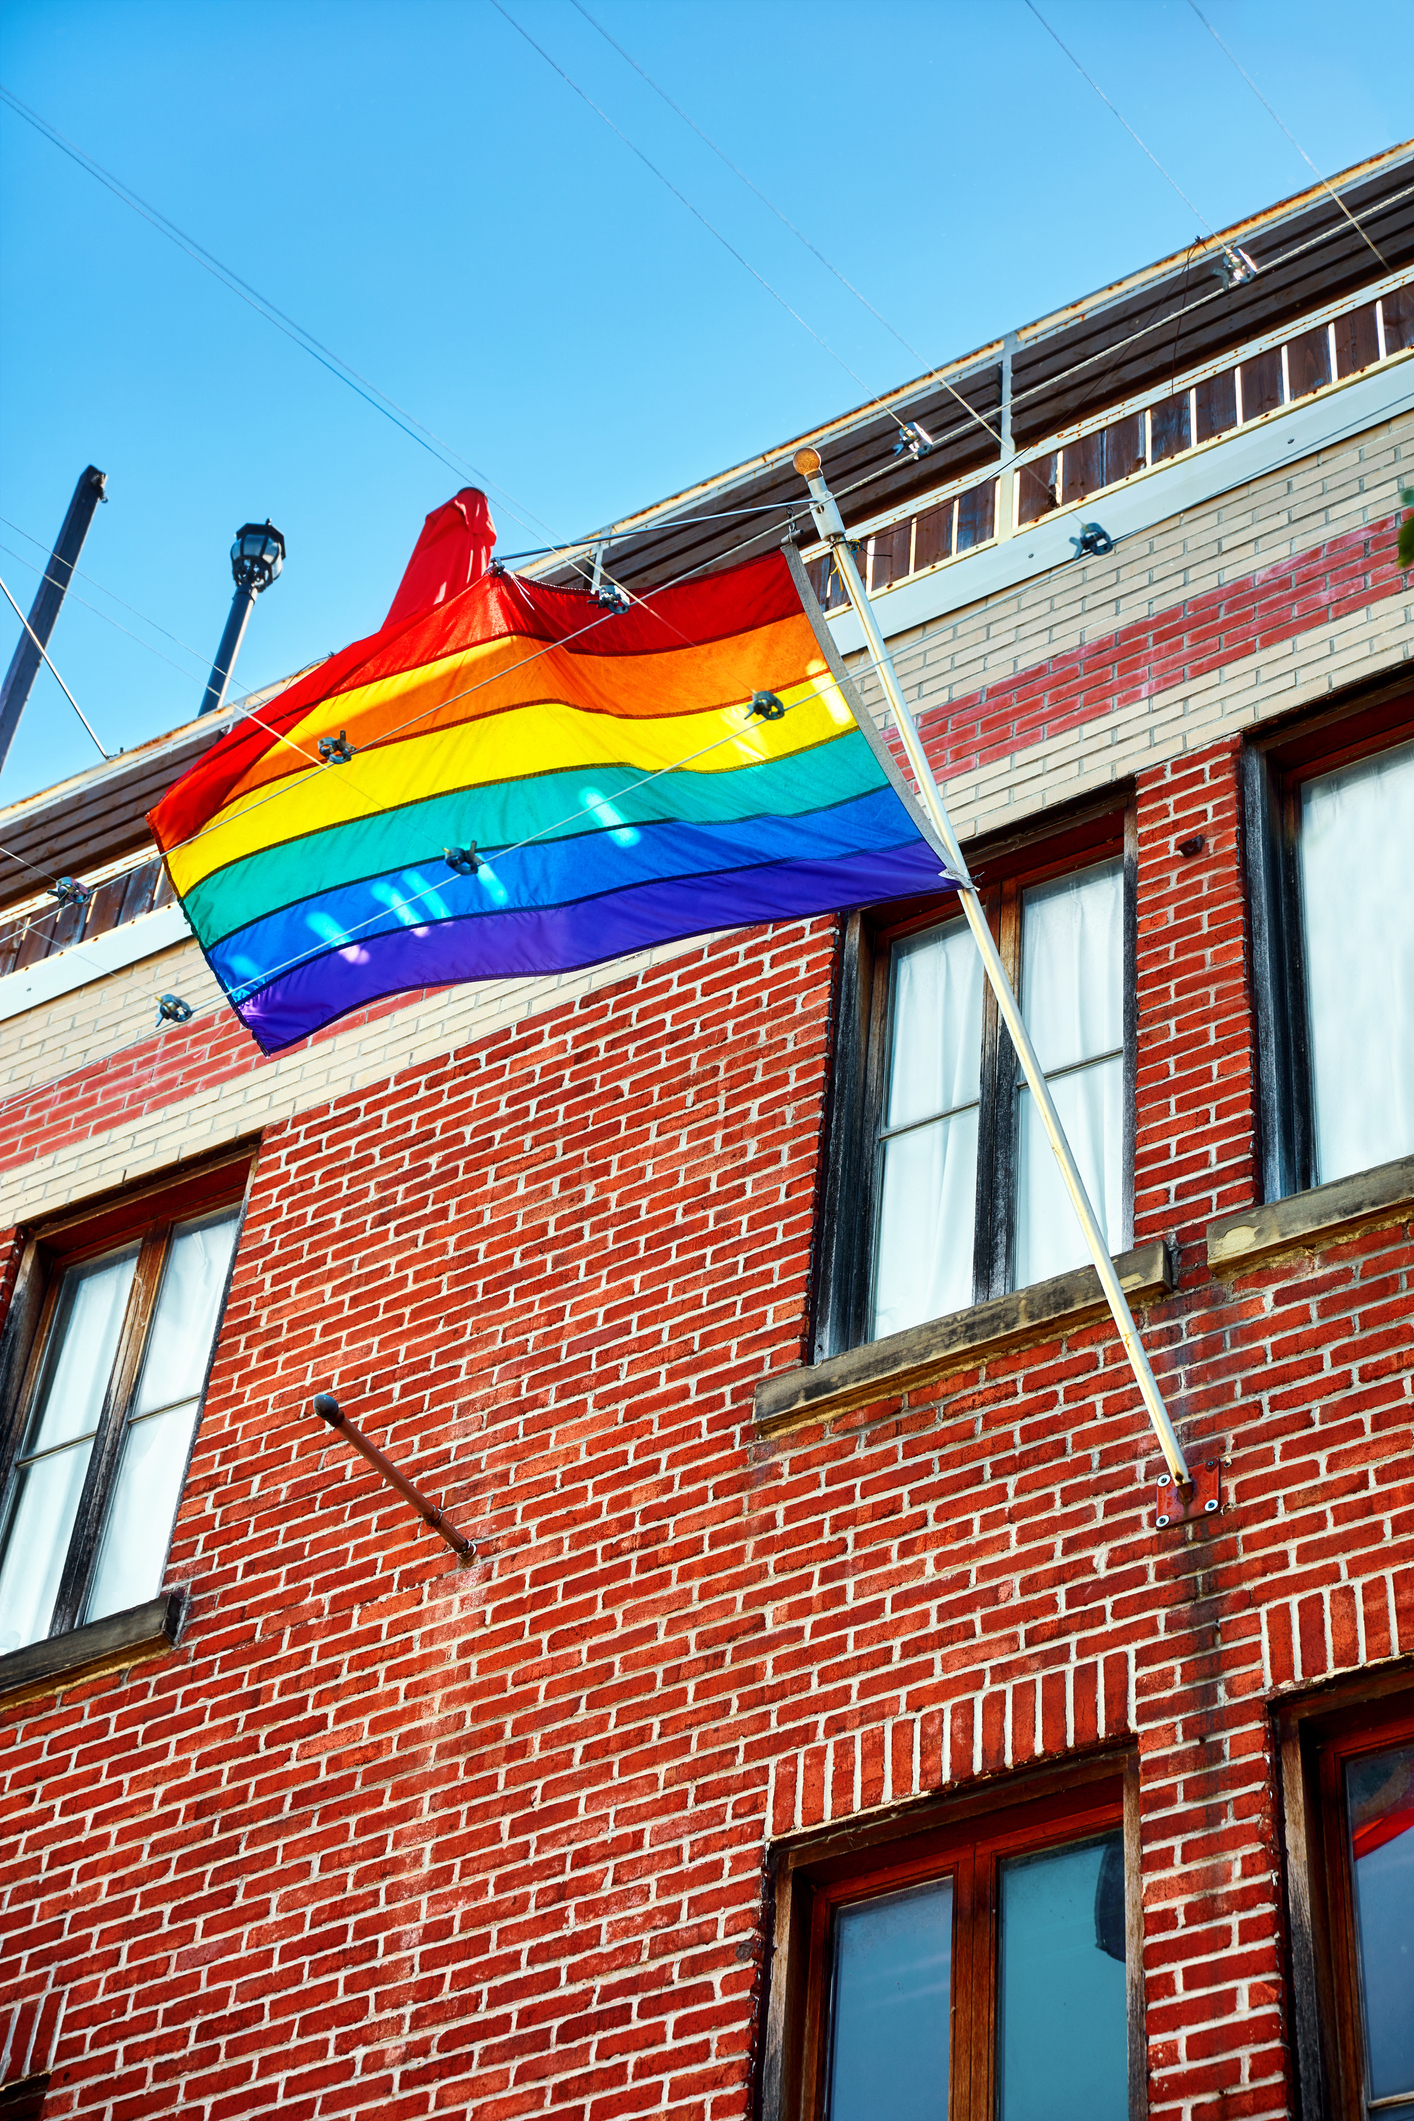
x=1357, y=832
x=82, y=1342
x=155, y=1449
x=1072, y=997
x=928, y=1187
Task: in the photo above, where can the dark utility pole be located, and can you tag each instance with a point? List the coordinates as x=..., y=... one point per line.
x=48, y=597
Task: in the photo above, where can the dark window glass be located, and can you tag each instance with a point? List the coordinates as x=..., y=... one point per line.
x=933, y=541
x=1083, y=467
x=973, y=1969
x=1169, y=428
x=1380, y=1808
x=891, y=2006
x=1398, y=311
x=1308, y=361
x=1261, y=384
x=1103, y=459
x=1217, y=404
x=976, y=515
x=1357, y=342
x=1061, y=2041
x=891, y=554
x=1036, y=490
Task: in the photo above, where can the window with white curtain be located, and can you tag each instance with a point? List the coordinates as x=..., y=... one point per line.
x=1329, y=824
x=110, y=1387
x=1357, y=919
x=967, y=1198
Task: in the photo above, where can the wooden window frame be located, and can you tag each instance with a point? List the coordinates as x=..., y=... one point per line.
x=965, y=1837
x=1314, y=1736
x=145, y=1215
x=1274, y=767
x=1004, y=866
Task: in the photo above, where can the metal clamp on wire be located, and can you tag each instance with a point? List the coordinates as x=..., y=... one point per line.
x=463, y=859
x=336, y=750
x=1093, y=542
x=70, y=892
x=171, y=1009
x=767, y=706
x=328, y=1409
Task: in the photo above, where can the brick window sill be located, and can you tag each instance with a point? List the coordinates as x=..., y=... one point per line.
x=885, y=1368
x=123, y=1639
x=1308, y=1221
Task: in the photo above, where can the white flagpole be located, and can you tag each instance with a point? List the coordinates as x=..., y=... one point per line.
x=830, y=525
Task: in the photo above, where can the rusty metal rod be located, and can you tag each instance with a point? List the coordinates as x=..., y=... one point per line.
x=328, y=1409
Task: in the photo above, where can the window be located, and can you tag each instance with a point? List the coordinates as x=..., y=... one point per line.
x=973, y=1971
x=1330, y=817
x=946, y=1191
x=1348, y=1789
x=107, y=1346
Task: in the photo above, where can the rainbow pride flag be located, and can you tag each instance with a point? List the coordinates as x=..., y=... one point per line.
x=518, y=781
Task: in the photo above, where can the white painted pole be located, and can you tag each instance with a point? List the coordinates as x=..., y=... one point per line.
x=830, y=525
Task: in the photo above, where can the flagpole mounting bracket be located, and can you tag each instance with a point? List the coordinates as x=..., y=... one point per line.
x=1178, y=1502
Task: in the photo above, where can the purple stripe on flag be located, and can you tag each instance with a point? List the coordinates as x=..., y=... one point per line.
x=525, y=941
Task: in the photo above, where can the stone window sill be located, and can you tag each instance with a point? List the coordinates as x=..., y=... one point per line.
x=122, y=1639
x=885, y=1368
x=1308, y=1221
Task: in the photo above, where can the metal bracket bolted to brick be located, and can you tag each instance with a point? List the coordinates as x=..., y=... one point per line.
x=1202, y=1498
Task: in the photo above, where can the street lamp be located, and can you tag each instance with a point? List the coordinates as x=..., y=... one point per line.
x=256, y=558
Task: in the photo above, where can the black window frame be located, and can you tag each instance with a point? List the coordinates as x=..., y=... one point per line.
x=1070, y=838
x=145, y=1215
x=808, y=1876
x=1314, y=1735
x=1275, y=762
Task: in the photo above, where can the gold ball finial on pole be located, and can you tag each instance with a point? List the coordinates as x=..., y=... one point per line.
x=807, y=462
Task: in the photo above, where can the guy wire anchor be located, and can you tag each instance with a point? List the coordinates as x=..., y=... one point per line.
x=328, y=1409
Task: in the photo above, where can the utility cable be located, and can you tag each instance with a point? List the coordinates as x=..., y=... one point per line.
x=52, y=671
x=223, y=1000
x=1320, y=179
x=683, y=200
x=108, y=619
x=104, y=590
x=326, y=357
x=1122, y=119
x=785, y=221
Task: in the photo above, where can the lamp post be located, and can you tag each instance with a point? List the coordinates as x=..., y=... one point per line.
x=256, y=558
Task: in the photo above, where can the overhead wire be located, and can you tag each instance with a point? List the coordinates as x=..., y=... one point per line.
x=327, y=948
x=107, y=617
x=864, y=666
x=345, y=372
x=30, y=538
x=44, y=657
x=1318, y=174
x=1168, y=179
x=785, y=221
x=683, y=200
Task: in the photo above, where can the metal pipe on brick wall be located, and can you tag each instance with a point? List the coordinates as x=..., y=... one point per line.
x=328, y=1409
x=830, y=524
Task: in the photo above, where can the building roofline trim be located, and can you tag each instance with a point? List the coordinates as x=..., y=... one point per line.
x=660, y=514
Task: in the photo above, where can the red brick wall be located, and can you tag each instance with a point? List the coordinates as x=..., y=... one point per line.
x=385, y=1835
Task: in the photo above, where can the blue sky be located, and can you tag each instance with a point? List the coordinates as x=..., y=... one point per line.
x=418, y=188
